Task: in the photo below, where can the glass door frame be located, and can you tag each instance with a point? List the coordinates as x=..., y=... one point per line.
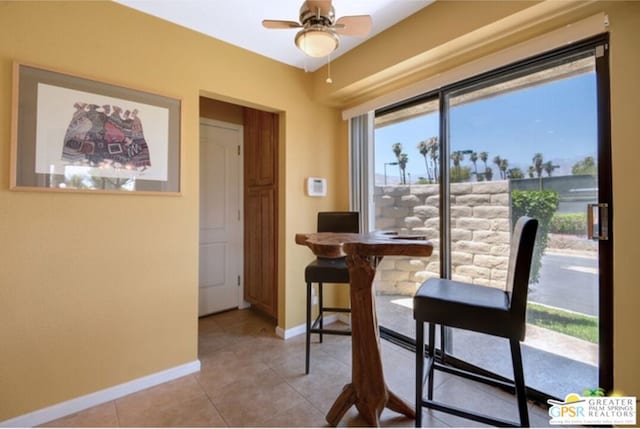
x=599, y=45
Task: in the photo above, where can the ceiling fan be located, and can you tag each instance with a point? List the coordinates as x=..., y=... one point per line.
x=320, y=34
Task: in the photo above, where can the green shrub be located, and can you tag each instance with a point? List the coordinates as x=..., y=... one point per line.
x=460, y=174
x=569, y=223
x=540, y=205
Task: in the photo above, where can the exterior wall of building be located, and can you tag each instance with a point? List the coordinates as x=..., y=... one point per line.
x=480, y=221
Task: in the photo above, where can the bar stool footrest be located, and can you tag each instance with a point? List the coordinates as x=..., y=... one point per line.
x=460, y=412
x=336, y=309
x=466, y=414
x=330, y=331
x=316, y=323
x=507, y=385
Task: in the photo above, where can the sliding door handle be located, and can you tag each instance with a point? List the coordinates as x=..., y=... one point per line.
x=598, y=221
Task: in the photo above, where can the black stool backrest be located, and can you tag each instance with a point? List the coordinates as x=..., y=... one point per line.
x=522, y=243
x=339, y=222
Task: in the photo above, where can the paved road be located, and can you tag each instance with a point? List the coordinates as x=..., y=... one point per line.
x=569, y=282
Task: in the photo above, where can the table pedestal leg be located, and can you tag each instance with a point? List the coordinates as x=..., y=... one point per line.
x=345, y=401
x=400, y=406
x=367, y=390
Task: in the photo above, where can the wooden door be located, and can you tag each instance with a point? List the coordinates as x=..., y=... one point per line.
x=261, y=193
x=261, y=137
x=260, y=276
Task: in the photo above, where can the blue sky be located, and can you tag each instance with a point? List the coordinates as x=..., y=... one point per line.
x=557, y=119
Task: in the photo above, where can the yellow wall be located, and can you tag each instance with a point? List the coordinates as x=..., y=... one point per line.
x=96, y=290
x=448, y=34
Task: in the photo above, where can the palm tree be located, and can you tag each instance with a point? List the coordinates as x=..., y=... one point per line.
x=474, y=158
x=504, y=164
x=515, y=173
x=549, y=167
x=537, y=163
x=402, y=162
x=531, y=172
x=433, y=153
x=483, y=157
x=397, y=149
x=457, y=157
x=488, y=174
x=497, y=160
x=423, y=148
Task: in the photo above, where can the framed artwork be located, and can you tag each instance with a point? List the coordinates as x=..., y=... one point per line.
x=73, y=134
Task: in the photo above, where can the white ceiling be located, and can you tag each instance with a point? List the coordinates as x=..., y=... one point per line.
x=239, y=22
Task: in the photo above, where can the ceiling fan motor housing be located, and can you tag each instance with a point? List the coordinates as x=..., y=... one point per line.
x=310, y=17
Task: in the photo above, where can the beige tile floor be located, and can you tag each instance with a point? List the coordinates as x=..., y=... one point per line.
x=251, y=378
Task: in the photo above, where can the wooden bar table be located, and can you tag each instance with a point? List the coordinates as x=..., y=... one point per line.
x=367, y=390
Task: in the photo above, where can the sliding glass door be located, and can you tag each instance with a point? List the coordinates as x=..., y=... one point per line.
x=461, y=164
x=406, y=198
x=525, y=142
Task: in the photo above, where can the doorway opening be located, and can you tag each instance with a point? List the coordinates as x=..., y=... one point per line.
x=238, y=208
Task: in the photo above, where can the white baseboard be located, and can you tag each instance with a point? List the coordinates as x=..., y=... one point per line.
x=291, y=332
x=301, y=329
x=75, y=405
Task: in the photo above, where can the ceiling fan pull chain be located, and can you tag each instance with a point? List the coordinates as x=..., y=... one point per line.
x=329, y=80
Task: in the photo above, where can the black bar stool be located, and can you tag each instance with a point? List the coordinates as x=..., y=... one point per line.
x=481, y=309
x=324, y=270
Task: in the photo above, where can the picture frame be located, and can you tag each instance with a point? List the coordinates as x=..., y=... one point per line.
x=76, y=134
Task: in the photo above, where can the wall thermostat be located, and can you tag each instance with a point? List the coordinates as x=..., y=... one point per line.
x=316, y=186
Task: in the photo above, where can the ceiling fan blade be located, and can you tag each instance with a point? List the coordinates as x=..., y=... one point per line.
x=323, y=5
x=277, y=24
x=356, y=25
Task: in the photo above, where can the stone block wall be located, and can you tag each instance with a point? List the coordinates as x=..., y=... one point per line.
x=480, y=233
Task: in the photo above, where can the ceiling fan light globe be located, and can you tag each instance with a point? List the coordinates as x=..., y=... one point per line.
x=317, y=42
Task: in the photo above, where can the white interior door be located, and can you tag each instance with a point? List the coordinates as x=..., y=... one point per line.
x=220, y=280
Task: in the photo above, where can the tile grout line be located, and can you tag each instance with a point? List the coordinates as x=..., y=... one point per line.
x=212, y=403
x=115, y=407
